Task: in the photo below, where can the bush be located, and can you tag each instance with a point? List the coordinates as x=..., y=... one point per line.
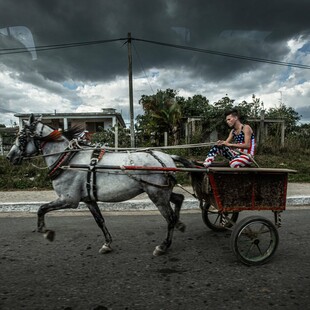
x=25, y=176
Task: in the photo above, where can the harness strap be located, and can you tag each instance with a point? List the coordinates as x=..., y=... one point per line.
x=63, y=160
x=91, y=181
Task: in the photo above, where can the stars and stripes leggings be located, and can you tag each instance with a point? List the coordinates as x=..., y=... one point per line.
x=235, y=158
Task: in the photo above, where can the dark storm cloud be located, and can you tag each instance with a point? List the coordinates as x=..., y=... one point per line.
x=304, y=112
x=251, y=28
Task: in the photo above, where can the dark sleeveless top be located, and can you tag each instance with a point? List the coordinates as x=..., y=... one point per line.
x=239, y=139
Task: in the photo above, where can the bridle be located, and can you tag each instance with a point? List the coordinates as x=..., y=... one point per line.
x=29, y=131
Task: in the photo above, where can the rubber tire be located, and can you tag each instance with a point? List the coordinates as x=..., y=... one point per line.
x=239, y=237
x=213, y=224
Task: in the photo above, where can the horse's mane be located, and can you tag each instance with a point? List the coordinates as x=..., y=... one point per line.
x=73, y=132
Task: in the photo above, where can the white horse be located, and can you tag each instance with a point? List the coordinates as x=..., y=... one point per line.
x=75, y=185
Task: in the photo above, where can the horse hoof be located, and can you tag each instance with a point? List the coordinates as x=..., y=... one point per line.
x=180, y=226
x=105, y=249
x=39, y=230
x=159, y=251
x=49, y=235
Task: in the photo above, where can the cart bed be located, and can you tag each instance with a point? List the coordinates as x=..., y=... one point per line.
x=249, y=188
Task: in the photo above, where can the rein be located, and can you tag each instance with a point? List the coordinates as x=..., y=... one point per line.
x=114, y=149
x=66, y=155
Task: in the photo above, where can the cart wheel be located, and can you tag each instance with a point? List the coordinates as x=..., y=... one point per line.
x=218, y=221
x=254, y=240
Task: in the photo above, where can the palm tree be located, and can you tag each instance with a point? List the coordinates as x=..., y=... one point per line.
x=164, y=112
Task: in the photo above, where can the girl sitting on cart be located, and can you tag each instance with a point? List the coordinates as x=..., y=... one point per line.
x=239, y=147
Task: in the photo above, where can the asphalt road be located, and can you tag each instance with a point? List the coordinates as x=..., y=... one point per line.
x=199, y=272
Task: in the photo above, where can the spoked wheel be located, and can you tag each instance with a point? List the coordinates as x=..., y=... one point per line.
x=254, y=240
x=218, y=221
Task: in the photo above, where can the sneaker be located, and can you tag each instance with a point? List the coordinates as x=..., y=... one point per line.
x=212, y=209
x=207, y=163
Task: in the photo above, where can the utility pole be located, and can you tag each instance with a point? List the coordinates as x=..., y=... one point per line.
x=132, y=130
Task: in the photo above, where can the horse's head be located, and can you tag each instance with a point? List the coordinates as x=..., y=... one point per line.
x=29, y=139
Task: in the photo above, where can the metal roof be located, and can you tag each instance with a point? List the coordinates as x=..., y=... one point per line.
x=105, y=113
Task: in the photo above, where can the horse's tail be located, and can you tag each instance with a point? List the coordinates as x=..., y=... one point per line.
x=186, y=163
x=198, y=179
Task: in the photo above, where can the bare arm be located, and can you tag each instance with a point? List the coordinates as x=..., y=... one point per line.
x=247, y=139
x=227, y=141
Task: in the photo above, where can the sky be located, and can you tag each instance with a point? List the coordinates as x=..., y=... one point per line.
x=92, y=77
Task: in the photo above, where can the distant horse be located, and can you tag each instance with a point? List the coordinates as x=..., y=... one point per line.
x=89, y=186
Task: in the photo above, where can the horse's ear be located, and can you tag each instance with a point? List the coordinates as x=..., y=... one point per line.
x=39, y=118
x=31, y=118
x=25, y=123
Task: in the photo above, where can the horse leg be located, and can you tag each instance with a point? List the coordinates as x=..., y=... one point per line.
x=171, y=219
x=95, y=211
x=161, y=200
x=48, y=207
x=177, y=200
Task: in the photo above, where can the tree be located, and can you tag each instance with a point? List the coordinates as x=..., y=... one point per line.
x=197, y=105
x=251, y=109
x=162, y=114
x=107, y=136
x=217, y=116
x=290, y=116
x=167, y=112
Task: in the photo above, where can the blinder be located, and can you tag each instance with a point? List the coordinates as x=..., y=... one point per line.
x=24, y=136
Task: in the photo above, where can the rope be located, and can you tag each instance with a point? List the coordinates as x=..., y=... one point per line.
x=107, y=148
x=171, y=147
x=75, y=143
x=40, y=168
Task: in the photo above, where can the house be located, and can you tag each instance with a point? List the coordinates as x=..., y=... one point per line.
x=90, y=121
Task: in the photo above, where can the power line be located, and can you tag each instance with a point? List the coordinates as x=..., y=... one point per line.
x=141, y=64
x=206, y=51
x=194, y=49
x=7, y=51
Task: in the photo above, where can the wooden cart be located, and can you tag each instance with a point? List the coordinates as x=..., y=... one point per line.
x=227, y=191
x=254, y=239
